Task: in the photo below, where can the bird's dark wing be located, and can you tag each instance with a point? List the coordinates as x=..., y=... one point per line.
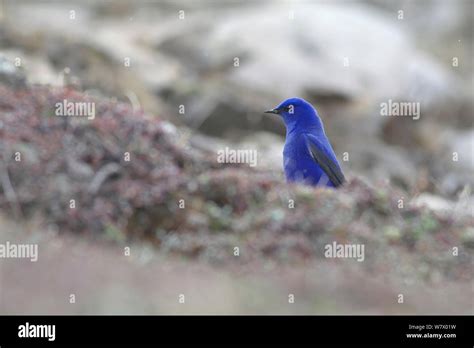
x=321, y=155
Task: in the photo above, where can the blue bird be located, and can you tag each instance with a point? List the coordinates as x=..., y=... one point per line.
x=308, y=156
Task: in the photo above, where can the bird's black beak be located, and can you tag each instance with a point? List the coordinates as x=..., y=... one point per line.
x=272, y=111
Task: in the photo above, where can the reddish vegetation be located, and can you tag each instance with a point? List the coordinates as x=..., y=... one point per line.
x=64, y=158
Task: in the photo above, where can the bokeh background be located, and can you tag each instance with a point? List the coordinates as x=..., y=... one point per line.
x=225, y=62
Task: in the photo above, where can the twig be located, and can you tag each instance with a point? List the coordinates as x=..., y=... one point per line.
x=101, y=176
x=10, y=193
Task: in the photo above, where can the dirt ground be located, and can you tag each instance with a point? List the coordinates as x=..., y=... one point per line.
x=105, y=281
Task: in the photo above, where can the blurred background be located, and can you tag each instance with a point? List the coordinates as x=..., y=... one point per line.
x=227, y=61
x=210, y=68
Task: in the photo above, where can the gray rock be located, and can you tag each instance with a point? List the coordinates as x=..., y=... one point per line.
x=457, y=210
x=11, y=75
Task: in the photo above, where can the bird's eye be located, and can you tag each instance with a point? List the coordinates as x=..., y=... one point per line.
x=290, y=109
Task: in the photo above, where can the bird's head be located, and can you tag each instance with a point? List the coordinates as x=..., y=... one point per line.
x=297, y=112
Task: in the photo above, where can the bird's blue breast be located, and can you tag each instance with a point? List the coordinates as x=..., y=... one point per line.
x=299, y=166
